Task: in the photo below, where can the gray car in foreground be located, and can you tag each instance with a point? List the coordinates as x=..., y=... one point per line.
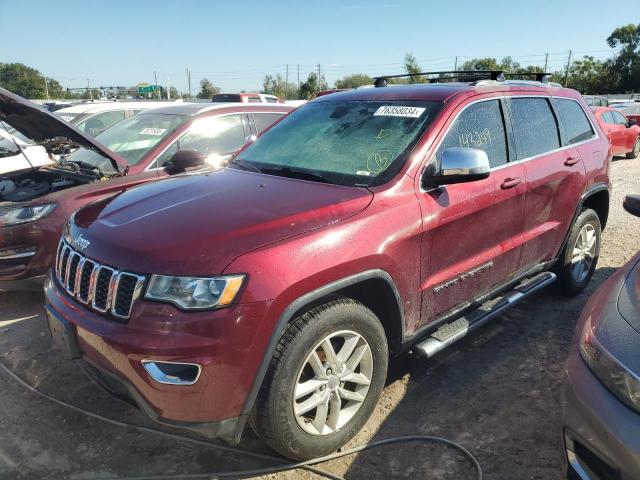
x=602, y=393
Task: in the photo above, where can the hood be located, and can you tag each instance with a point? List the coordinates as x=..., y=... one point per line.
x=197, y=224
x=45, y=128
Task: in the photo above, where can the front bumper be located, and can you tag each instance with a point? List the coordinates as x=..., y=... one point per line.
x=224, y=343
x=21, y=272
x=601, y=435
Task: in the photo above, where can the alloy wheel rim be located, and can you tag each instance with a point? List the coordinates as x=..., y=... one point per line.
x=333, y=383
x=636, y=148
x=584, y=252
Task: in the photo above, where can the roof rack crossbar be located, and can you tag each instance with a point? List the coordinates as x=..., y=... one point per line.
x=468, y=75
x=540, y=76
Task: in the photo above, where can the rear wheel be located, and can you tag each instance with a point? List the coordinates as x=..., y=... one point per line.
x=324, y=380
x=636, y=149
x=580, y=255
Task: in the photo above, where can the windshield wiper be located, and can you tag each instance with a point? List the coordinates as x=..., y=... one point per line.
x=294, y=173
x=246, y=165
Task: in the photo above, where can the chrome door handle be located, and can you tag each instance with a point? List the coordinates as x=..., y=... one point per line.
x=511, y=183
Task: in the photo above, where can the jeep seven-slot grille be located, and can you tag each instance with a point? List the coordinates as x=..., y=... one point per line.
x=102, y=288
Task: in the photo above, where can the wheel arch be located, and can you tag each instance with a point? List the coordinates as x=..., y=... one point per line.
x=373, y=288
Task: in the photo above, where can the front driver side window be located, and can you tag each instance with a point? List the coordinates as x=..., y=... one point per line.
x=479, y=126
x=210, y=136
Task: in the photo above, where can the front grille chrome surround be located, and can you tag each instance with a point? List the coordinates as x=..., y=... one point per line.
x=100, y=287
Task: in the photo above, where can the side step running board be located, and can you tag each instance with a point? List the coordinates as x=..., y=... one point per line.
x=454, y=331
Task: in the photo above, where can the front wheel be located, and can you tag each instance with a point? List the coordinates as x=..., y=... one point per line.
x=636, y=149
x=580, y=255
x=324, y=381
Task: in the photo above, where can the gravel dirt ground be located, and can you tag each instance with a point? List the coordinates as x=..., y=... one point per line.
x=496, y=392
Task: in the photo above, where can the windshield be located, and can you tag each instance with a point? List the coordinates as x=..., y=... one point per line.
x=132, y=139
x=343, y=142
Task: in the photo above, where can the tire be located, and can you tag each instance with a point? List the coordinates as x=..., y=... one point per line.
x=572, y=278
x=273, y=417
x=636, y=149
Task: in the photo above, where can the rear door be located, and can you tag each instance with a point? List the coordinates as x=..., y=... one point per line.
x=473, y=238
x=550, y=154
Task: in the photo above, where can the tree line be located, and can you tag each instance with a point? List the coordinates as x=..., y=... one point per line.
x=620, y=73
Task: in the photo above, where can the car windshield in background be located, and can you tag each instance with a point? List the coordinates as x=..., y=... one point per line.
x=132, y=139
x=342, y=142
x=70, y=117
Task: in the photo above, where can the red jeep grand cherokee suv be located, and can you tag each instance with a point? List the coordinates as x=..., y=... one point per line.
x=365, y=222
x=36, y=203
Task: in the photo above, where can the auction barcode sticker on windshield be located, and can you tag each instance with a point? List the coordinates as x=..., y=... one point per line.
x=398, y=111
x=152, y=131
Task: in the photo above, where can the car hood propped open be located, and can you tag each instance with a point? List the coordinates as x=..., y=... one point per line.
x=46, y=129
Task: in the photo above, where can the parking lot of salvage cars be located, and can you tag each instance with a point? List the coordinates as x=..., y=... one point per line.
x=497, y=392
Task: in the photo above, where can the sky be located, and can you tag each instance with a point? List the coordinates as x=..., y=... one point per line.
x=234, y=44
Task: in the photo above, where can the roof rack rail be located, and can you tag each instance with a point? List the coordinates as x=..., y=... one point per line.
x=539, y=76
x=460, y=75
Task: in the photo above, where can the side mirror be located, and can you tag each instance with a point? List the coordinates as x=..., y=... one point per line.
x=460, y=165
x=184, y=159
x=632, y=204
x=631, y=122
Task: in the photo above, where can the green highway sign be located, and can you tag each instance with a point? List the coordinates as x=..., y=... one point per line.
x=148, y=88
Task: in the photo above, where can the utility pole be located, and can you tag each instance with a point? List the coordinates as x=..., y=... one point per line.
x=318, y=82
x=298, y=77
x=90, y=92
x=46, y=86
x=566, y=76
x=189, y=81
x=168, y=91
x=455, y=65
x=155, y=76
x=286, y=84
x=546, y=62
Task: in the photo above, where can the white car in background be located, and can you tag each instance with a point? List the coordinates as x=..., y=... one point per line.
x=95, y=118
x=17, y=152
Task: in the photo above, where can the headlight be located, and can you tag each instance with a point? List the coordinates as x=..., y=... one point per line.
x=19, y=215
x=615, y=377
x=194, y=293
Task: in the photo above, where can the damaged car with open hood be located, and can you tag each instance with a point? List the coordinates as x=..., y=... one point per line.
x=35, y=202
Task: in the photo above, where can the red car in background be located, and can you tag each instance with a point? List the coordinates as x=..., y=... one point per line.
x=623, y=133
x=35, y=203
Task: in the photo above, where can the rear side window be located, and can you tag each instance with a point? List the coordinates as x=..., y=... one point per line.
x=618, y=118
x=574, y=121
x=534, y=126
x=479, y=126
x=264, y=120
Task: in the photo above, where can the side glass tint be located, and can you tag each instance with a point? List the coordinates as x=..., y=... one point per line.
x=574, y=121
x=479, y=126
x=534, y=126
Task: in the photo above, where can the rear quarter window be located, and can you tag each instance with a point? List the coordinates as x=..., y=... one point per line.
x=576, y=125
x=534, y=126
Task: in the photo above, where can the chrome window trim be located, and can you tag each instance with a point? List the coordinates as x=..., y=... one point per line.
x=435, y=148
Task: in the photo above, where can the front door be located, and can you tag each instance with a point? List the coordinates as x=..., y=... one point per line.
x=472, y=233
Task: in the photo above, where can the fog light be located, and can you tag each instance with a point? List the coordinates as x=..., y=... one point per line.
x=172, y=373
x=20, y=252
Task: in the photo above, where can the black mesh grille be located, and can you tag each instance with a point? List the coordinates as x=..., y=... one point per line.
x=124, y=295
x=63, y=265
x=97, y=283
x=71, y=279
x=85, y=278
x=102, y=288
